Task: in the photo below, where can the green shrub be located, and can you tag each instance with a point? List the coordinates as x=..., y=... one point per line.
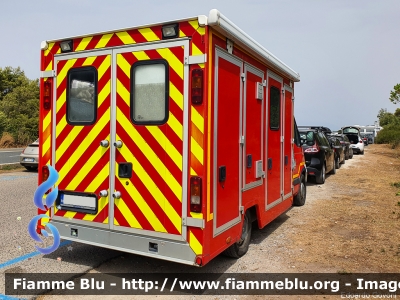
x=389, y=135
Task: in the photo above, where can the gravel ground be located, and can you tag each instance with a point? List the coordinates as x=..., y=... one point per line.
x=350, y=224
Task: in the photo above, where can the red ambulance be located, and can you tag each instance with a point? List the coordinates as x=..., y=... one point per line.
x=169, y=139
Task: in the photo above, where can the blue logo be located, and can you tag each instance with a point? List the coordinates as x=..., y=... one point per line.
x=38, y=201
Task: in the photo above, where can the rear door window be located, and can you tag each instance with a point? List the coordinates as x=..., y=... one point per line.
x=82, y=96
x=150, y=92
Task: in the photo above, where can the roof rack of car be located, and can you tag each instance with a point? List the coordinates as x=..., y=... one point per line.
x=322, y=128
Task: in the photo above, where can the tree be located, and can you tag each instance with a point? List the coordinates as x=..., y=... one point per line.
x=10, y=78
x=19, y=105
x=395, y=94
x=381, y=113
x=386, y=118
x=397, y=112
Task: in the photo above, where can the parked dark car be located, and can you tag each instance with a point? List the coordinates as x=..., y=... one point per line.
x=344, y=140
x=318, y=153
x=364, y=137
x=338, y=148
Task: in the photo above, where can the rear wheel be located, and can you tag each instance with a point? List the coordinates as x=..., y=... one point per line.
x=321, y=178
x=240, y=248
x=337, y=164
x=300, y=198
x=29, y=168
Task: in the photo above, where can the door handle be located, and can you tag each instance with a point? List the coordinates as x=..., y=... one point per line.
x=125, y=170
x=222, y=173
x=104, y=143
x=116, y=195
x=118, y=144
x=269, y=163
x=103, y=193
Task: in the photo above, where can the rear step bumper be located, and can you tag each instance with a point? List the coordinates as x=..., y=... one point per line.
x=132, y=243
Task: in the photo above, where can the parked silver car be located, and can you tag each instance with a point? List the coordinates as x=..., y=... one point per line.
x=29, y=157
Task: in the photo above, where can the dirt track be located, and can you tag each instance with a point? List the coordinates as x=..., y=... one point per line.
x=350, y=224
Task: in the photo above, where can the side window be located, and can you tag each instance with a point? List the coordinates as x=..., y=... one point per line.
x=296, y=134
x=82, y=96
x=310, y=138
x=149, y=92
x=322, y=139
x=319, y=140
x=275, y=108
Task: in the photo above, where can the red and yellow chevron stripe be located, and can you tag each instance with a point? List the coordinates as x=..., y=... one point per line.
x=83, y=165
x=152, y=199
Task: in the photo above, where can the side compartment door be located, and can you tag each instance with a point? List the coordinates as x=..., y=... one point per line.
x=287, y=142
x=252, y=127
x=227, y=148
x=150, y=140
x=274, y=164
x=82, y=121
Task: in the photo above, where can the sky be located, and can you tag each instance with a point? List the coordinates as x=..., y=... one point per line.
x=346, y=52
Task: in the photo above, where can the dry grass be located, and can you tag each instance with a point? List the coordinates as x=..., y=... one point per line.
x=355, y=225
x=6, y=141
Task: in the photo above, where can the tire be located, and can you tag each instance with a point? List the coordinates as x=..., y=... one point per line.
x=240, y=248
x=335, y=162
x=362, y=153
x=321, y=178
x=344, y=160
x=29, y=168
x=300, y=198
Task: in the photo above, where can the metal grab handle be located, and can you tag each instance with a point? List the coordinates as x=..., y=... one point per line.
x=116, y=195
x=103, y=193
x=118, y=144
x=269, y=163
x=104, y=143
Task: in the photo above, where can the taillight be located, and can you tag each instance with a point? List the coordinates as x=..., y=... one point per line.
x=361, y=141
x=45, y=173
x=197, y=86
x=313, y=149
x=47, y=95
x=195, y=194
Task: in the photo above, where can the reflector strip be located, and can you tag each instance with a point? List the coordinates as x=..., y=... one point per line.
x=125, y=38
x=83, y=44
x=104, y=40
x=149, y=35
x=196, y=246
x=197, y=120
